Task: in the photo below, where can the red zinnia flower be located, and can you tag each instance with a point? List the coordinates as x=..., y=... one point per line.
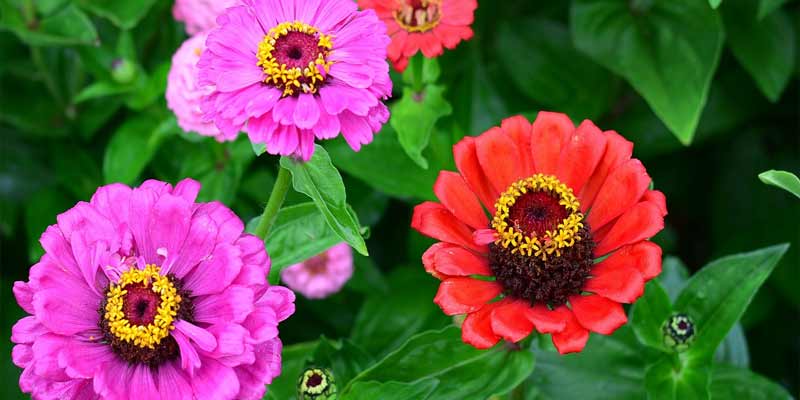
x=567, y=242
x=425, y=25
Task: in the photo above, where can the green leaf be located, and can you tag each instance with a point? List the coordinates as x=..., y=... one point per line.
x=648, y=315
x=124, y=14
x=149, y=88
x=40, y=212
x=671, y=378
x=101, y=89
x=133, y=145
x=65, y=27
x=367, y=277
x=766, y=7
x=714, y=3
x=782, y=179
x=293, y=361
x=217, y=166
x=733, y=350
x=77, y=170
x=553, y=72
x=717, y=295
x=419, y=390
x=729, y=382
x=430, y=71
x=319, y=180
x=667, y=50
x=342, y=357
x=463, y=371
x=674, y=276
x=414, y=118
x=766, y=47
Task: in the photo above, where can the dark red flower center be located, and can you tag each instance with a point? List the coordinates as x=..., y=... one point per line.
x=317, y=264
x=534, y=213
x=418, y=15
x=140, y=304
x=314, y=380
x=297, y=49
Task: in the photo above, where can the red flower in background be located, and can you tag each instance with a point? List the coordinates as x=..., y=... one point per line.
x=426, y=25
x=567, y=240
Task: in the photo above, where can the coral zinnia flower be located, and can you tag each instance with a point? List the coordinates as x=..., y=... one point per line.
x=567, y=241
x=143, y=293
x=289, y=71
x=425, y=25
x=322, y=275
x=183, y=93
x=199, y=15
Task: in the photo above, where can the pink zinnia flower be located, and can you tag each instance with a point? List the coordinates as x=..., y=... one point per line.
x=199, y=15
x=143, y=293
x=290, y=71
x=322, y=275
x=184, y=94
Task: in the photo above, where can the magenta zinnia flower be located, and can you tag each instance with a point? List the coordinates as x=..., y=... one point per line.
x=322, y=275
x=199, y=15
x=290, y=71
x=143, y=293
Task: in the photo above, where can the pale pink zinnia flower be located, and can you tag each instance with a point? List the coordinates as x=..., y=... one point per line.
x=143, y=293
x=290, y=71
x=322, y=275
x=199, y=15
x=184, y=94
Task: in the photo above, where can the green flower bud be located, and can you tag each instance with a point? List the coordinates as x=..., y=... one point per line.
x=316, y=384
x=678, y=332
x=123, y=71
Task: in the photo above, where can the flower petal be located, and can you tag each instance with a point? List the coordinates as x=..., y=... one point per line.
x=621, y=190
x=574, y=336
x=458, y=261
x=644, y=256
x=306, y=113
x=519, y=129
x=641, y=222
x=215, y=273
x=477, y=328
x=546, y=320
x=509, y=320
x=453, y=192
x=580, y=155
x=550, y=131
x=617, y=281
x=461, y=295
x=433, y=220
x=499, y=158
x=470, y=168
x=617, y=151
x=597, y=313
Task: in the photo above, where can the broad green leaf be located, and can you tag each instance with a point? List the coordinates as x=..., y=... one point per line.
x=66, y=27
x=673, y=276
x=101, y=89
x=766, y=48
x=133, y=145
x=40, y=212
x=397, y=174
x=414, y=118
x=463, y=371
x=717, y=295
x=729, y=382
x=667, y=50
x=733, y=349
x=45, y=7
x=124, y=14
x=552, y=71
x=419, y=390
x=343, y=358
x=672, y=378
x=293, y=361
x=319, y=180
x=782, y=179
x=217, y=166
x=149, y=88
x=648, y=315
x=766, y=7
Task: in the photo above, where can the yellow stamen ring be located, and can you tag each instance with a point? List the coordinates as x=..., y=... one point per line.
x=420, y=19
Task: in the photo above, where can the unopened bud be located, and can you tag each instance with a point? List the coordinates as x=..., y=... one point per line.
x=679, y=331
x=316, y=384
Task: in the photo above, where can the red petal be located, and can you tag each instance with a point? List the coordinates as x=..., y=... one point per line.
x=461, y=262
x=429, y=257
x=498, y=156
x=617, y=280
x=458, y=12
x=621, y=190
x=467, y=163
x=431, y=46
x=395, y=49
x=483, y=236
x=508, y=320
x=550, y=130
x=597, y=313
x=618, y=150
x=454, y=194
x=546, y=320
x=450, y=35
x=413, y=43
x=580, y=155
x=477, y=328
x=657, y=198
x=641, y=222
x=644, y=256
x=432, y=219
x=574, y=336
x=462, y=295
x=519, y=129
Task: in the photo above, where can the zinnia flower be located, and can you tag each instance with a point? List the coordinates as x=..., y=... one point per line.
x=184, y=94
x=289, y=71
x=567, y=241
x=199, y=15
x=426, y=25
x=322, y=275
x=143, y=293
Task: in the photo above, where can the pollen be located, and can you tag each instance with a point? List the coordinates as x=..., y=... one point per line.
x=545, y=221
x=418, y=15
x=129, y=301
x=294, y=57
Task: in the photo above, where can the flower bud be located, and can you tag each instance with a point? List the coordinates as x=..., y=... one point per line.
x=122, y=71
x=678, y=332
x=316, y=384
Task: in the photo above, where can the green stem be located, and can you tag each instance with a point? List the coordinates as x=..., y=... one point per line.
x=274, y=203
x=417, y=65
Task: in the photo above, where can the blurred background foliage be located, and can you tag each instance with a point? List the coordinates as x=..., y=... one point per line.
x=708, y=96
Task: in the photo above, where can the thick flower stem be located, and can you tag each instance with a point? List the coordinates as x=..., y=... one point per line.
x=274, y=203
x=417, y=66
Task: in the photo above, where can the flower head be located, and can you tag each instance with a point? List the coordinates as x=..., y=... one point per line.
x=426, y=25
x=143, y=291
x=184, y=94
x=290, y=71
x=199, y=15
x=567, y=241
x=322, y=275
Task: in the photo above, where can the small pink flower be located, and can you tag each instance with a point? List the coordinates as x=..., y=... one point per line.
x=288, y=72
x=183, y=93
x=144, y=293
x=199, y=15
x=322, y=275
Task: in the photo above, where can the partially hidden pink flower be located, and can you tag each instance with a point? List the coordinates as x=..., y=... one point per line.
x=199, y=15
x=322, y=275
x=184, y=94
x=291, y=71
x=144, y=294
